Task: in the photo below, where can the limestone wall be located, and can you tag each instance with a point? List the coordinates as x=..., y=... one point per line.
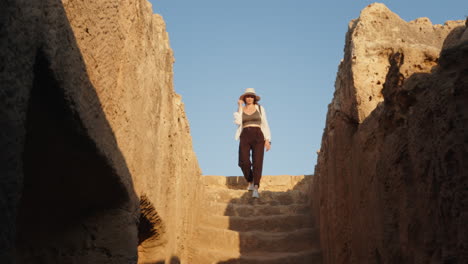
x=391, y=176
x=92, y=132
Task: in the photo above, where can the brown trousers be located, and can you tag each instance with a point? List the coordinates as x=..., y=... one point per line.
x=251, y=139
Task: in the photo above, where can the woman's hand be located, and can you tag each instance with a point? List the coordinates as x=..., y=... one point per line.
x=240, y=102
x=267, y=145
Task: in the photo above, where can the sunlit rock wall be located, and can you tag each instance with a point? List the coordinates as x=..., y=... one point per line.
x=391, y=177
x=97, y=161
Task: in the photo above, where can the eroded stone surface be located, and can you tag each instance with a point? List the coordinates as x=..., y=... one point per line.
x=276, y=228
x=91, y=125
x=391, y=176
x=371, y=39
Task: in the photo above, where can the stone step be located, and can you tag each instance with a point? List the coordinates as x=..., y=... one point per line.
x=275, y=223
x=233, y=209
x=257, y=241
x=210, y=256
x=270, y=183
x=245, y=197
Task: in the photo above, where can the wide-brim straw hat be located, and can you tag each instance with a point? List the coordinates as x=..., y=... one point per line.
x=249, y=91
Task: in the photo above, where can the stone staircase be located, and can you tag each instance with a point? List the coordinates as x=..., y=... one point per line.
x=277, y=228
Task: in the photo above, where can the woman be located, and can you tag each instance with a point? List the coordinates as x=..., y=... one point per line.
x=255, y=136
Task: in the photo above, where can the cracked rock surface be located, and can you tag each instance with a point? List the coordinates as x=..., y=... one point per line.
x=391, y=177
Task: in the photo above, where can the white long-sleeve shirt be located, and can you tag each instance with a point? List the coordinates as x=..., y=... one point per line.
x=264, y=125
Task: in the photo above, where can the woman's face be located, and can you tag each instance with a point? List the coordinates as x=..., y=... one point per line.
x=249, y=99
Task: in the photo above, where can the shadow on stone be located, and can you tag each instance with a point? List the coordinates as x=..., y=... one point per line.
x=173, y=260
x=396, y=186
x=278, y=227
x=71, y=196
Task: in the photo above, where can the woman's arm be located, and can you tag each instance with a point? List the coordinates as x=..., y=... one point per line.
x=266, y=130
x=265, y=126
x=241, y=104
x=238, y=114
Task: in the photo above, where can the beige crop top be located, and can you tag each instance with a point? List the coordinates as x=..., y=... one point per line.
x=253, y=119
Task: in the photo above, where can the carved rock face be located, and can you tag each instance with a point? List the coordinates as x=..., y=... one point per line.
x=393, y=158
x=92, y=130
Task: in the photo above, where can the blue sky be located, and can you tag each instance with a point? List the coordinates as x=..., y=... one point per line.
x=288, y=51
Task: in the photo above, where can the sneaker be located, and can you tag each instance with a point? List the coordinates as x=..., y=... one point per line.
x=251, y=187
x=255, y=194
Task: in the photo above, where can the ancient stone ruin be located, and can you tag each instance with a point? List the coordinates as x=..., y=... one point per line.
x=233, y=228
x=391, y=177
x=97, y=165
x=96, y=160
